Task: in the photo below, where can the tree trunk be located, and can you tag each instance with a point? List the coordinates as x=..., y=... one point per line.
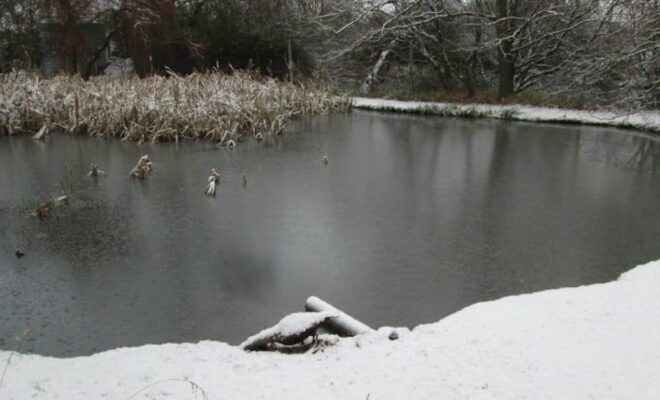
x=506, y=75
x=470, y=74
x=289, y=64
x=97, y=55
x=373, y=75
x=410, y=66
x=505, y=59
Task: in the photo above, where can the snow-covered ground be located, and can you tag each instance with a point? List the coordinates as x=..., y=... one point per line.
x=592, y=342
x=647, y=120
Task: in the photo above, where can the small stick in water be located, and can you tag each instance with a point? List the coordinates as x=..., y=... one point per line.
x=214, y=180
x=244, y=180
x=41, y=133
x=94, y=171
x=43, y=211
x=142, y=169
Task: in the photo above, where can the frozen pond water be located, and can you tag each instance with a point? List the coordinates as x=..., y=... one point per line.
x=413, y=219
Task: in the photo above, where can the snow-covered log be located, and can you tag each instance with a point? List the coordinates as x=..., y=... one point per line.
x=291, y=330
x=343, y=324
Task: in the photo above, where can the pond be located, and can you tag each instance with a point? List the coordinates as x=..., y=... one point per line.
x=412, y=219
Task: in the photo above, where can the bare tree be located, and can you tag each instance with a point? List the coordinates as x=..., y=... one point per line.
x=19, y=42
x=618, y=61
x=518, y=44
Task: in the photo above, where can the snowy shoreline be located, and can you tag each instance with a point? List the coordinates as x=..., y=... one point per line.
x=598, y=341
x=646, y=121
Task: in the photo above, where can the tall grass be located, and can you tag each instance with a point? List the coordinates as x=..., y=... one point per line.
x=212, y=106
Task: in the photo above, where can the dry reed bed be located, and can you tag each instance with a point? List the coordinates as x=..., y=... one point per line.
x=212, y=106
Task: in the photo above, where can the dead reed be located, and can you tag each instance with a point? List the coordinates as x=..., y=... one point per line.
x=212, y=106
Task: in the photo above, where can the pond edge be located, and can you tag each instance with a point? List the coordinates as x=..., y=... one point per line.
x=648, y=121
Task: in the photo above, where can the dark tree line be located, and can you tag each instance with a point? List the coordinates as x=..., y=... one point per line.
x=600, y=51
x=181, y=35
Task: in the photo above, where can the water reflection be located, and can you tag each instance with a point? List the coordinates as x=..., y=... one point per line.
x=635, y=152
x=412, y=219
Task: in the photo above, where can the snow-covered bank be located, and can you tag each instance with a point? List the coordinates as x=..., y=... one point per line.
x=648, y=121
x=599, y=341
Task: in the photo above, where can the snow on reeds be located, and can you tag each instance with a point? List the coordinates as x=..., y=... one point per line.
x=212, y=106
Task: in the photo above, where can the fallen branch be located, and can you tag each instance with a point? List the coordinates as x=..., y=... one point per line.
x=44, y=209
x=343, y=324
x=41, y=133
x=292, y=330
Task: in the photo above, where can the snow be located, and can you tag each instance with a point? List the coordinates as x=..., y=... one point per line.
x=592, y=342
x=644, y=120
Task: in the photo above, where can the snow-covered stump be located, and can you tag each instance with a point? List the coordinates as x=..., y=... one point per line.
x=94, y=171
x=214, y=180
x=142, y=169
x=343, y=324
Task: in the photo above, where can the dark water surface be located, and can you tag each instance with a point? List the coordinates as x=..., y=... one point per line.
x=413, y=219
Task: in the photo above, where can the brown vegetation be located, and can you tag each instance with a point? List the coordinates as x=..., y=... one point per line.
x=213, y=106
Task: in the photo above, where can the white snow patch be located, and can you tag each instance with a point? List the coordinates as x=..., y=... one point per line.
x=644, y=120
x=592, y=342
